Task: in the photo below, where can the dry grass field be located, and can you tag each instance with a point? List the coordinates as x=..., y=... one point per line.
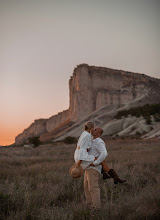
x=35, y=183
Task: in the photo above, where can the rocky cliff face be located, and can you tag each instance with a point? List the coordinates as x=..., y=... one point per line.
x=37, y=128
x=92, y=88
x=56, y=120
x=42, y=126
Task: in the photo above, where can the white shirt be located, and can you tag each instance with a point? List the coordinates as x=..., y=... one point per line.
x=81, y=153
x=98, y=150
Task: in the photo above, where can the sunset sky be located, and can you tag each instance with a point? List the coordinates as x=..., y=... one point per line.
x=42, y=41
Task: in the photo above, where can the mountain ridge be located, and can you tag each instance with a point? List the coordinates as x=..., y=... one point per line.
x=91, y=89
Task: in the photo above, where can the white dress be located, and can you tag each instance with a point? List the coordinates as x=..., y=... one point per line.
x=84, y=144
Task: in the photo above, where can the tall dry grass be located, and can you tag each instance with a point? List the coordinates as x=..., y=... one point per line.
x=35, y=183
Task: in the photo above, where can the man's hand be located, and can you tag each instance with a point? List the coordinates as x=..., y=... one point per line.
x=92, y=165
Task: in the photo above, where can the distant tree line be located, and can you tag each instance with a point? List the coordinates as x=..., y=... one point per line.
x=146, y=111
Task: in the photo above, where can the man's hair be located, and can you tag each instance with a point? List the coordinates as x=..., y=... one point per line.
x=89, y=125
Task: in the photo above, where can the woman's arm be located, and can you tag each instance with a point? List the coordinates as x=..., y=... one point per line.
x=78, y=163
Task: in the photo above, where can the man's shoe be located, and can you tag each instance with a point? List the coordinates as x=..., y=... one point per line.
x=116, y=178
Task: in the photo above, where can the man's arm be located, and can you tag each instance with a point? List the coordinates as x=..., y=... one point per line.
x=103, y=153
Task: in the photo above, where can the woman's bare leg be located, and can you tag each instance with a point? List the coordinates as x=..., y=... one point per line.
x=105, y=167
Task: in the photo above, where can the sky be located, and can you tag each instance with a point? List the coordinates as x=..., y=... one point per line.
x=42, y=41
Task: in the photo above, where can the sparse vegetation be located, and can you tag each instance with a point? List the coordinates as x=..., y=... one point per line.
x=138, y=133
x=35, y=141
x=35, y=183
x=70, y=140
x=148, y=120
x=157, y=117
x=146, y=111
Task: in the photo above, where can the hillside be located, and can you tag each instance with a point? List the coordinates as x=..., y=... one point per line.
x=97, y=94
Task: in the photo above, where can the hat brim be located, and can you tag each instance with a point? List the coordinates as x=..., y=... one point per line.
x=80, y=171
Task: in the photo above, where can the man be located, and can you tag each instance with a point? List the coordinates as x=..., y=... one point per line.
x=92, y=172
x=84, y=159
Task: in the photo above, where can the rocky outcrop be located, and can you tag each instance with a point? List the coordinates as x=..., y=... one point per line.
x=127, y=126
x=42, y=126
x=57, y=120
x=96, y=93
x=37, y=128
x=93, y=87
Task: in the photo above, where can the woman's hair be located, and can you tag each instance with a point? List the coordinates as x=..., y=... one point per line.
x=89, y=125
x=101, y=131
x=85, y=127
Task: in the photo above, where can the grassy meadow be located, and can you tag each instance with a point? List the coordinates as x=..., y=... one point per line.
x=35, y=183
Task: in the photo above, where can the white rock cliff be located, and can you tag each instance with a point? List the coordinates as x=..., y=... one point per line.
x=92, y=88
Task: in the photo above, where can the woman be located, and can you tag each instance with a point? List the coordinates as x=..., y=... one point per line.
x=83, y=159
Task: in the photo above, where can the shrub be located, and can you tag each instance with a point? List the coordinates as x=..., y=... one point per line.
x=148, y=120
x=145, y=110
x=138, y=133
x=157, y=117
x=70, y=140
x=35, y=141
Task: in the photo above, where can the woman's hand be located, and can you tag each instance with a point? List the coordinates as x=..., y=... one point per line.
x=78, y=163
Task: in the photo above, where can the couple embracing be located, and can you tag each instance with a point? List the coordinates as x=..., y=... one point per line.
x=90, y=155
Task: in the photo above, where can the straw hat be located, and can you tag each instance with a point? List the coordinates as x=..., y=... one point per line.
x=76, y=172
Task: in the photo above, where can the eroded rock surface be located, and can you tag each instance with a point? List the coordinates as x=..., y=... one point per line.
x=96, y=93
